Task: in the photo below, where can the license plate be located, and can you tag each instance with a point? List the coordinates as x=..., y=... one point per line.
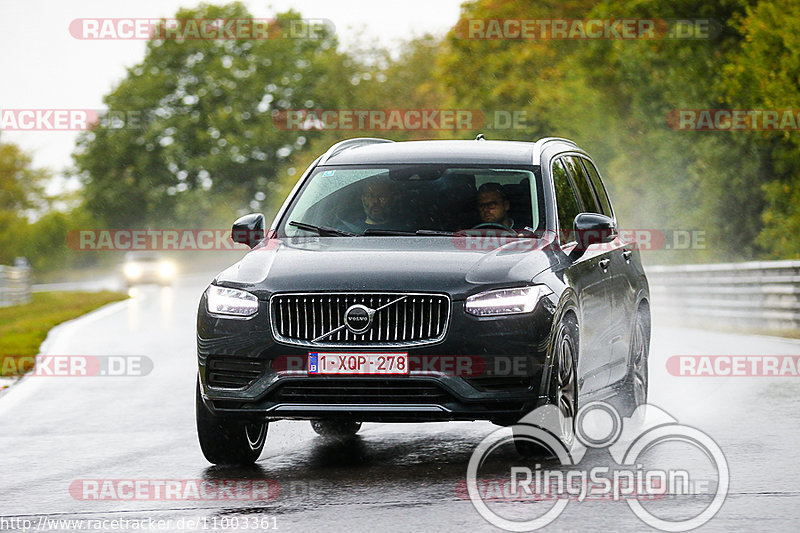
x=358, y=363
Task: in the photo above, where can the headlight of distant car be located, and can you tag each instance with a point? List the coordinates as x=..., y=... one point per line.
x=132, y=271
x=166, y=269
x=223, y=301
x=506, y=301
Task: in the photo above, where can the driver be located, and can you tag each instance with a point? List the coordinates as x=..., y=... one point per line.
x=493, y=206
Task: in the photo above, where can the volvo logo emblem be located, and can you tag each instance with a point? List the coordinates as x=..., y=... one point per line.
x=358, y=318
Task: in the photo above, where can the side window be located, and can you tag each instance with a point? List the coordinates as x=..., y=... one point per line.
x=599, y=189
x=567, y=203
x=584, y=189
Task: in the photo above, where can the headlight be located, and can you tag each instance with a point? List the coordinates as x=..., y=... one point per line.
x=166, y=269
x=506, y=301
x=224, y=301
x=132, y=270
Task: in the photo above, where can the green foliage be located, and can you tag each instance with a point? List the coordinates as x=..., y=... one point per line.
x=207, y=149
x=23, y=328
x=765, y=74
x=21, y=189
x=614, y=97
x=20, y=185
x=207, y=126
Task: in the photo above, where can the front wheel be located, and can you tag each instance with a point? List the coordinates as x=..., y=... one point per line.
x=564, y=389
x=633, y=391
x=228, y=441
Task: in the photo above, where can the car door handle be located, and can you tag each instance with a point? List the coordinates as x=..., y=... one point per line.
x=627, y=255
x=604, y=263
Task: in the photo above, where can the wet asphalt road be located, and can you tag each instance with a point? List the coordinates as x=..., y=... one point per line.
x=401, y=477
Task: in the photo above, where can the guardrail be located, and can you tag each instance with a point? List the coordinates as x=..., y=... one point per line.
x=757, y=295
x=15, y=285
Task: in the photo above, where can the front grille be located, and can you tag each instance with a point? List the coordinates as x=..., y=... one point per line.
x=361, y=391
x=416, y=319
x=233, y=373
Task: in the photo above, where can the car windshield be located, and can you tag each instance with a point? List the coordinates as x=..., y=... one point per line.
x=396, y=200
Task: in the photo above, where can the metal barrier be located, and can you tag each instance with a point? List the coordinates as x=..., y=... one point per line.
x=15, y=285
x=758, y=295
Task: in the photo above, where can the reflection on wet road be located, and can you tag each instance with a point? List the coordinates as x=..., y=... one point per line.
x=60, y=435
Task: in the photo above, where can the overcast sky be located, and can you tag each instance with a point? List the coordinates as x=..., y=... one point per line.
x=43, y=67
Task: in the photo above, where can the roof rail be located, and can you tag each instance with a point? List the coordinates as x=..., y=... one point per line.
x=539, y=146
x=545, y=140
x=347, y=144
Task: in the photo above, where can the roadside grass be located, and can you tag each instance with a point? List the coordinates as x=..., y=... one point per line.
x=23, y=328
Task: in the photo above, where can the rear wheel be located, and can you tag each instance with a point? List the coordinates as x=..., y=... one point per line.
x=228, y=441
x=564, y=389
x=337, y=429
x=633, y=391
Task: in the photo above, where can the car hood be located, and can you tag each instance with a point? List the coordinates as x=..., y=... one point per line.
x=425, y=264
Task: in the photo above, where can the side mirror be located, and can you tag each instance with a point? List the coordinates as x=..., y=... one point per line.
x=594, y=228
x=249, y=230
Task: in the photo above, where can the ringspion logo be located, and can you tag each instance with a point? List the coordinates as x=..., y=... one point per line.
x=572, y=475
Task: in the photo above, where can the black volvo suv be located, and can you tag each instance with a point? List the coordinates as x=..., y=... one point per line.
x=424, y=281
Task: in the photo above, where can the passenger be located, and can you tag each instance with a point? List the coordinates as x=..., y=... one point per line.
x=378, y=204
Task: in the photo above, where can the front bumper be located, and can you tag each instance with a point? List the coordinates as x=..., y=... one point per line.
x=485, y=368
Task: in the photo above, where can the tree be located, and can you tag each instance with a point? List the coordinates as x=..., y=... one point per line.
x=21, y=189
x=206, y=127
x=763, y=75
x=614, y=97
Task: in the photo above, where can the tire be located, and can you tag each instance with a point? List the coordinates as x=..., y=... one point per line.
x=336, y=429
x=227, y=441
x=634, y=388
x=563, y=389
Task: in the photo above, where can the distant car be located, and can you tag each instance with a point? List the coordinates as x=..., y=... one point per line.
x=147, y=267
x=424, y=281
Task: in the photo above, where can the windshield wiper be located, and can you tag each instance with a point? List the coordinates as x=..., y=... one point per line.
x=322, y=231
x=397, y=232
x=401, y=233
x=434, y=232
